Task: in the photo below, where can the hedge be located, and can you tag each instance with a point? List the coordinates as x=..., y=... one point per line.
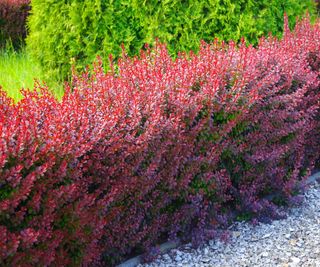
x=158, y=148
x=13, y=14
x=94, y=27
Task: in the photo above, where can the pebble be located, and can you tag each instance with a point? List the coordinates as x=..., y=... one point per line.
x=295, y=260
x=291, y=242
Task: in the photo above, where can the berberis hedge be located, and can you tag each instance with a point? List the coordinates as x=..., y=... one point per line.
x=13, y=15
x=69, y=32
x=158, y=148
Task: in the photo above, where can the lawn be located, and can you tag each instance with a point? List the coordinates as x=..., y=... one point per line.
x=18, y=70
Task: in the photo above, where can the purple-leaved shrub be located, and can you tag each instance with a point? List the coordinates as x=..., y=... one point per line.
x=157, y=148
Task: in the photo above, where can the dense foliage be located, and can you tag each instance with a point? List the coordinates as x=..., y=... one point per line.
x=157, y=148
x=13, y=14
x=95, y=27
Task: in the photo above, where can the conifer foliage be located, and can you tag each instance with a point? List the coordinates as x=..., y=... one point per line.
x=98, y=27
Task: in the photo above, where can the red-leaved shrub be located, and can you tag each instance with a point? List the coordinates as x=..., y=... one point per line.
x=13, y=14
x=157, y=148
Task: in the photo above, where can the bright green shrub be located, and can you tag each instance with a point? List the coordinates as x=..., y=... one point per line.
x=76, y=31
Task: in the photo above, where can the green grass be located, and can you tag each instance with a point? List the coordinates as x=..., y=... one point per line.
x=18, y=70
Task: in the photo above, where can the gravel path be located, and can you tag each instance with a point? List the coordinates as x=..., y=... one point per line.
x=294, y=241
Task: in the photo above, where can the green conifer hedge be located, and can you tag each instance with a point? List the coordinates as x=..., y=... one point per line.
x=76, y=31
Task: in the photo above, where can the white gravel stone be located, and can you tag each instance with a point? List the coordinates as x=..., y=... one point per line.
x=292, y=242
